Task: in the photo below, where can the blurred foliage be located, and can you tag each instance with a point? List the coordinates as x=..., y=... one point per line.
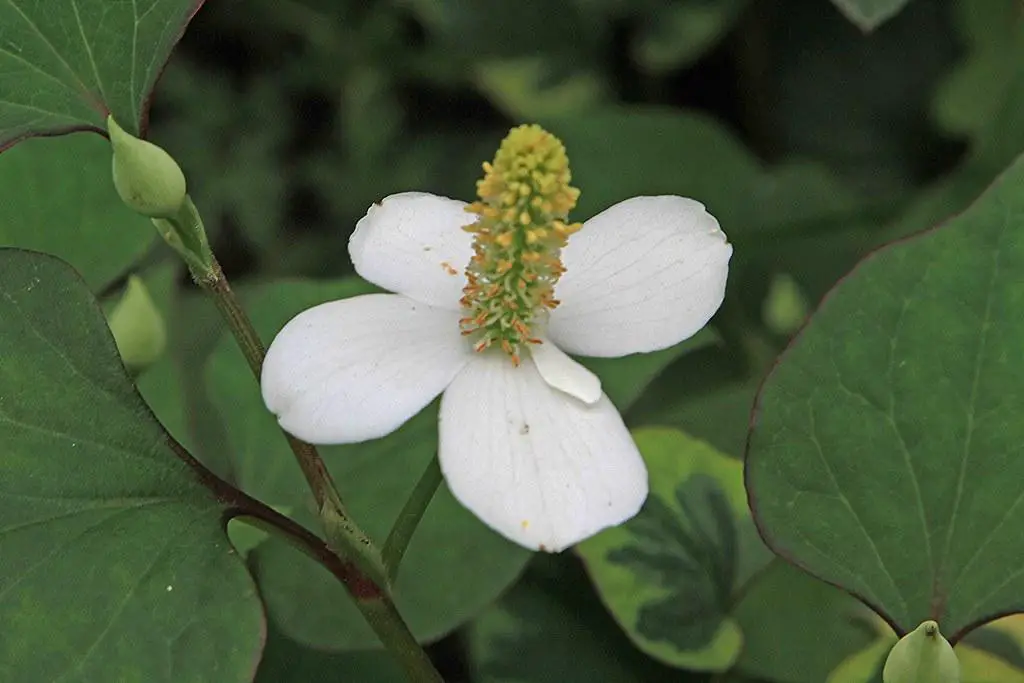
x=811, y=141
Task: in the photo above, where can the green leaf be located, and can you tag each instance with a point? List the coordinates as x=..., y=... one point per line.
x=241, y=180
x=487, y=28
x=58, y=197
x=797, y=628
x=624, y=379
x=173, y=387
x=971, y=94
x=67, y=66
x=1003, y=638
x=997, y=144
x=882, y=84
x=245, y=537
x=115, y=562
x=550, y=627
x=676, y=34
x=670, y=576
x=719, y=416
x=864, y=666
x=285, y=661
x=978, y=666
x=884, y=455
x=870, y=14
x=618, y=153
x=160, y=383
x=529, y=87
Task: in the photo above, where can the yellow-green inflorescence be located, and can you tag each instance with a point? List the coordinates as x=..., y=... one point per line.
x=524, y=205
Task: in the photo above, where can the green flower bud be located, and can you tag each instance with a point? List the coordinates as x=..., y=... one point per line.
x=922, y=656
x=137, y=326
x=148, y=180
x=784, y=308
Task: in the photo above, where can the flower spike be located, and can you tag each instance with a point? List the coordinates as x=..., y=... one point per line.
x=524, y=205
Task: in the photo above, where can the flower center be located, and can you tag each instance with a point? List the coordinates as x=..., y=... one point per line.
x=524, y=205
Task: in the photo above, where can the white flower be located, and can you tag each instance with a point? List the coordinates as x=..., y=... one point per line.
x=537, y=451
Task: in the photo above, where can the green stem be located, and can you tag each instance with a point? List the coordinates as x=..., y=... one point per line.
x=310, y=462
x=366, y=582
x=387, y=623
x=409, y=518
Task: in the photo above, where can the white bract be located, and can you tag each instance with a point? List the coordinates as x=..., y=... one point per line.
x=537, y=451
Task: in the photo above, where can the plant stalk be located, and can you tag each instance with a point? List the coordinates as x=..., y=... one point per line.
x=409, y=518
x=366, y=580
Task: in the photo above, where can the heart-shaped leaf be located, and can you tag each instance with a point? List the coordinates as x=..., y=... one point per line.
x=114, y=563
x=886, y=452
x=66, y=65
x=671, y=575
x=58, y=197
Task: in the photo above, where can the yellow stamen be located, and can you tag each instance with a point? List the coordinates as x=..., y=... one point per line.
x=524, y=205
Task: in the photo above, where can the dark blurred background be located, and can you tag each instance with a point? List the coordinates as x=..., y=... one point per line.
x=292, y=116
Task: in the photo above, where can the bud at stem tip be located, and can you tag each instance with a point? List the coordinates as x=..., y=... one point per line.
x=147, y=179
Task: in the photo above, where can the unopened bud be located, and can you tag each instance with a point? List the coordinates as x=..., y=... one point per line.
x=137, y=326
x=922, y=656
x=148, y=180
x=785, y=307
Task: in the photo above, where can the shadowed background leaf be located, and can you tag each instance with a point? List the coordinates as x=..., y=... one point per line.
x=551, y=627
x=58, y=197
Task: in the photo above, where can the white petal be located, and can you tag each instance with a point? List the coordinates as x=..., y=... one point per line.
x=413, y=244
x=537, y=466
x=565, y=374
x=358, y=368
x=642, y=275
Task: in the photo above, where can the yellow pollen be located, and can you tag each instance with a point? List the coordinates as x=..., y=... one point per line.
x=523, y=209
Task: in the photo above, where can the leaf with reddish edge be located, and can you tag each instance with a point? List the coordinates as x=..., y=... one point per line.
x=114, y=561
x=885, y=451
x=65, y=65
